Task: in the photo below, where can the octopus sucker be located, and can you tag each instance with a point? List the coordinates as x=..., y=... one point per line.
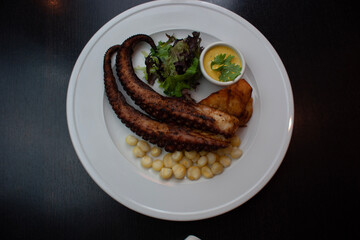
x=168, y=109
x=167, y=135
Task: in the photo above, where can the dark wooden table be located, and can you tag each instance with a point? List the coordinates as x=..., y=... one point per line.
x=47, y=194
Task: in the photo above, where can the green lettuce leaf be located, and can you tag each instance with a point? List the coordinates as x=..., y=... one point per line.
x=175, y=64
x=173, y=85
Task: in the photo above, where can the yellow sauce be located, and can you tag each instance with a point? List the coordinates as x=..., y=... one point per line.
x=212, y=53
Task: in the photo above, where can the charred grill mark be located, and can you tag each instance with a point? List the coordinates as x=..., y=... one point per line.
x=169, y=136
x=167, y=109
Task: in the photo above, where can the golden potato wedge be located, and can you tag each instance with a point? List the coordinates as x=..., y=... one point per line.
x=234, y=99
x=247, y=113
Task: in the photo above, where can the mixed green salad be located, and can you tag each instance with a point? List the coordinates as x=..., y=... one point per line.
x=175, y=64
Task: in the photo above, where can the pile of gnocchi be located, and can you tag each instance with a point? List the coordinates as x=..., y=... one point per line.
x=181, y=164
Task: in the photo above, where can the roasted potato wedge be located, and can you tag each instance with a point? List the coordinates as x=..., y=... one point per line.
x=234, y=99
x=246, y=115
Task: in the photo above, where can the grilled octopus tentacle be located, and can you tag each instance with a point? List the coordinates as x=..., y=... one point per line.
x=167, y=108
x=169, y=136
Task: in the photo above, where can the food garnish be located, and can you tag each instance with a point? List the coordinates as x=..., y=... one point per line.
x=228, y=71
x=175, y=64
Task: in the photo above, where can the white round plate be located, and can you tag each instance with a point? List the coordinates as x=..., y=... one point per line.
x=99, y=137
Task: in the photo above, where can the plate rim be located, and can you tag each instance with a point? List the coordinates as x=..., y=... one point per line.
x=170, y=216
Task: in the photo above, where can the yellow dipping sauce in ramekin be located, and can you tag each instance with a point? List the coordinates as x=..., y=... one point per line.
x=212, y=53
